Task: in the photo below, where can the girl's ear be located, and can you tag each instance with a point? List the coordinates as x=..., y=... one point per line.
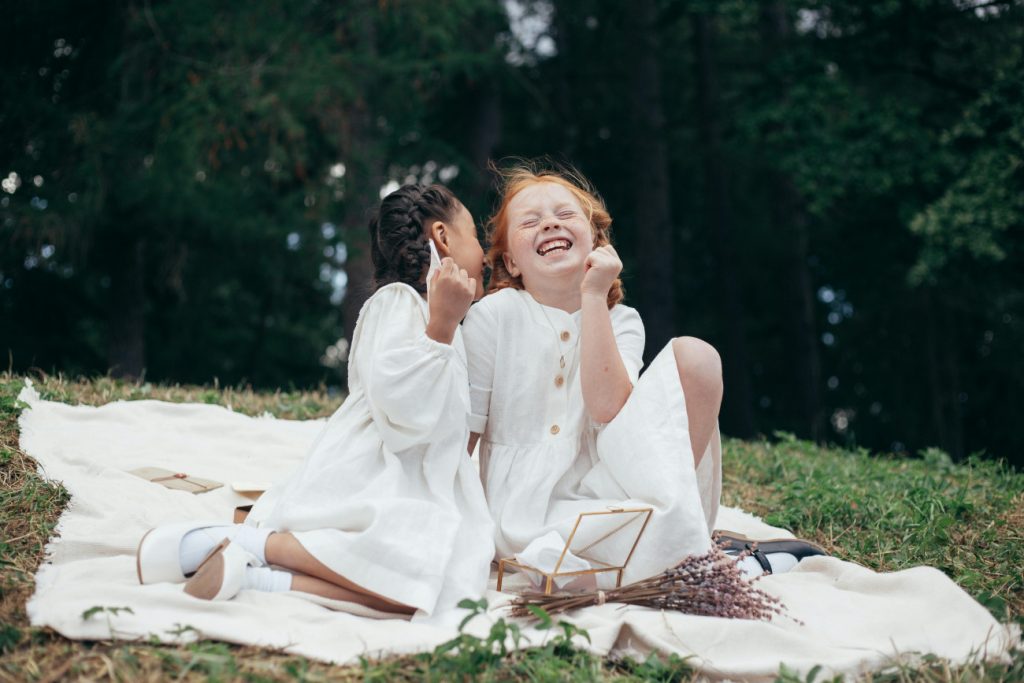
x=510, y=265
x=439, y=234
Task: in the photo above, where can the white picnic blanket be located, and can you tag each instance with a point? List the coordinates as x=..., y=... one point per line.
x=854, y=619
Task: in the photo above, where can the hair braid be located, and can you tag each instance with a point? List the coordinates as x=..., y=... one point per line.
x=399, y=243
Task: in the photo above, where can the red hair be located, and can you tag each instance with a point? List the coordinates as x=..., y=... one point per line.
x=523, y=174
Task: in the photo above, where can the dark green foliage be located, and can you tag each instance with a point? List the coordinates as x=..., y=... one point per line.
x=192, y=219
x=189, y=157
x=894, y=128
x=10, y=636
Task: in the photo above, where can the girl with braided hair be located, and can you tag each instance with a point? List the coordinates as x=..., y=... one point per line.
x=386, y=511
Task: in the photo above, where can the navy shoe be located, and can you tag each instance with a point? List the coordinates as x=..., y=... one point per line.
x=732, y=542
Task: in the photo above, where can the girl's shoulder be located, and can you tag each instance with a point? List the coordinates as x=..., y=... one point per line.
x=394, y=309
x=393, y=302
x=624, y=316
x=500, y=302
x=395, y=294
x=623, y=311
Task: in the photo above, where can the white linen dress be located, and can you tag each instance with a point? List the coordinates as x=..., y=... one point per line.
x=544, y=461
x=387, y=495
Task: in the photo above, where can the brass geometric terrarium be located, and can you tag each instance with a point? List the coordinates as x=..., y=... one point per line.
x=605, y=539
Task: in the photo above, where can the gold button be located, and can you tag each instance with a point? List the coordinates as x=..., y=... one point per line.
x=565, y=335
x=555, y=429
x=559, y=381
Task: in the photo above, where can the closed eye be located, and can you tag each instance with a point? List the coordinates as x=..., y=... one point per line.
x=529, y=223
x=566, y=214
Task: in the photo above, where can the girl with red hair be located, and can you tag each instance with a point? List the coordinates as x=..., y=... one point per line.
x=566, y=422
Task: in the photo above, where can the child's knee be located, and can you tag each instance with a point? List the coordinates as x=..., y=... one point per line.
x=698, y=362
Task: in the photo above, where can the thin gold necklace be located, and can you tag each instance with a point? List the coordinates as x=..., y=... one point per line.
x=559, y=379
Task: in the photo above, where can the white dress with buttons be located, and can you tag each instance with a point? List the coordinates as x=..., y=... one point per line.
x=544, y=461
x=387, y=496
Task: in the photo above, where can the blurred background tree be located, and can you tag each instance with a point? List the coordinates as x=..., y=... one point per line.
x=830, y=192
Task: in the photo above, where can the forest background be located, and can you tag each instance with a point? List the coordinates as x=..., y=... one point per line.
x=832, y=193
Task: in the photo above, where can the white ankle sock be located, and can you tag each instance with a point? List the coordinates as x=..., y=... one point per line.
x=253, y=540
x=267, y=579
x=197, y=544
x=780, y=562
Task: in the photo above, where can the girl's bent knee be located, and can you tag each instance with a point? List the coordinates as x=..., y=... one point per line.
x=697, y=357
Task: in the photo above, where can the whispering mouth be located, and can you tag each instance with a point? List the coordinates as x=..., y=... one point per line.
x=559, y=244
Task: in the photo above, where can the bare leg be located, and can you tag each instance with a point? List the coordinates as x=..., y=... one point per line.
x=326, y=589
x=312, y=576
x=700, y=374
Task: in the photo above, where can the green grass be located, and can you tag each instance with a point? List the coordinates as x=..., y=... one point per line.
x=890, y=513
x=886, y=513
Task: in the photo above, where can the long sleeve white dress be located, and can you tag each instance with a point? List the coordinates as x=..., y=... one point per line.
x=387, y=495
x=544, y=461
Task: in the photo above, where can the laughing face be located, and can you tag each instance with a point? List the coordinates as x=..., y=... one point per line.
x=549, y=235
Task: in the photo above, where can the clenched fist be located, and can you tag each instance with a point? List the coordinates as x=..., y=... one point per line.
x=600, y=269
x=449, y=294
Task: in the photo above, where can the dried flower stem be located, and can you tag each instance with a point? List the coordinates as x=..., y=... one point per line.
x=711, y=584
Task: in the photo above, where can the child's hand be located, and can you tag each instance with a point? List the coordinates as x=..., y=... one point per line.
x=449, y=295
x=600, y=269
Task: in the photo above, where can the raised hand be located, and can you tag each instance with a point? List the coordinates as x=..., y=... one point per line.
x=450, y=292
x=600, y=269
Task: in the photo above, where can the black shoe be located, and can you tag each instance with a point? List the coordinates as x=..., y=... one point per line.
x=737, y=543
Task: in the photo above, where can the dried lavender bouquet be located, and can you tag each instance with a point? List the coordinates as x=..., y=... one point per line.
x=706, y=585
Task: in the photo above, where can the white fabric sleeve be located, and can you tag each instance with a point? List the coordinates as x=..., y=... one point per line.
x=629, y=337
x=415, y=386
x=480, y=333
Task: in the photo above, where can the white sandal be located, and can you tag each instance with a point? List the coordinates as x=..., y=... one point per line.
x=158, y=558
x=221, y=574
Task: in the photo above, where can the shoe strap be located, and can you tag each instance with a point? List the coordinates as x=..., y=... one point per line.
x=761, y=558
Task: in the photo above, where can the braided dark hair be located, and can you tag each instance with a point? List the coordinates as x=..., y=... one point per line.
x=400, y=247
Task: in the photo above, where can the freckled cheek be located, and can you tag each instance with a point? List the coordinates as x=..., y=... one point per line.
x=519, y=246
x=586, y=240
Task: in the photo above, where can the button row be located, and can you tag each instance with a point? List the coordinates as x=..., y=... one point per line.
x=560, y=379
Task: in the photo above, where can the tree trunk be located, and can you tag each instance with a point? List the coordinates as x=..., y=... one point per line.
x=358, y=267
x=126, y=344
x=564, y=93
x=790, y=222
x=955, y=446
x=943, y=378
x=737, y=405
x=364, y=179
x=126, y=319
x=484, y=140
x=648, y=171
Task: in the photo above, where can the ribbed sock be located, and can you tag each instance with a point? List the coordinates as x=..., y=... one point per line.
x=267, y=579
x=253, y=540
x=197, y=544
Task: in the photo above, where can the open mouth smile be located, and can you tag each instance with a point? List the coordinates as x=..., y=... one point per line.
x=557, y=244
